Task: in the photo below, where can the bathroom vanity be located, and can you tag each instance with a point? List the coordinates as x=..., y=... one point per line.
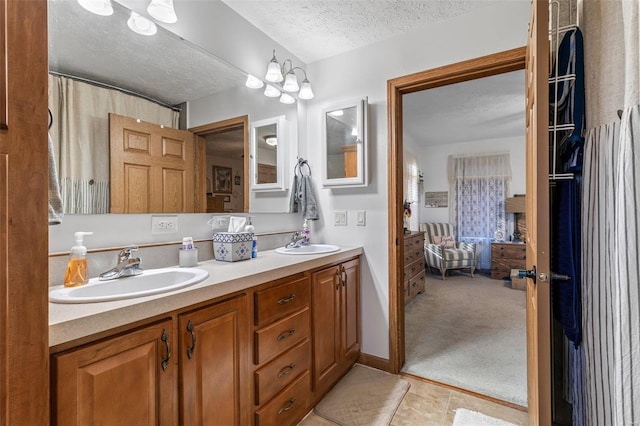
x=259, y=342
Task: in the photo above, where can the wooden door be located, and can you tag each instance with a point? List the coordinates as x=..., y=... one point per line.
x=350, y=311
x=213, y=363
x=119, y=381
x=24, y=349
x=325, y=297
x=152, y=167
x=537, y=208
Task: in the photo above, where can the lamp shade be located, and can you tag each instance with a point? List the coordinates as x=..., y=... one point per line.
x=287, y=99
x=141, y=25
x=253, y=82
x=163, y=11
x=291, y=82
x=271, y=92
x=99, y=7
x=515, y=204
x=305, y=90
x=273, y=74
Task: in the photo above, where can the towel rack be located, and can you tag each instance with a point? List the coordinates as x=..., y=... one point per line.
x=298, y=167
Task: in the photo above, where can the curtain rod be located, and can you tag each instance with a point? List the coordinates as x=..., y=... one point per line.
x=119, y=89
x=479, y=154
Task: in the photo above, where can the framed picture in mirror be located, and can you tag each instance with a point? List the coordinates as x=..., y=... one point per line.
x=222, y=179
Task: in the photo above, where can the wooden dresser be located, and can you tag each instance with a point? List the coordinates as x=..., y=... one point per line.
x=507, y=256
x=414, y=265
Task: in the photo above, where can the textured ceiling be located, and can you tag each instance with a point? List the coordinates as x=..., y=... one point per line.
x=476, y=110
x=317, y=29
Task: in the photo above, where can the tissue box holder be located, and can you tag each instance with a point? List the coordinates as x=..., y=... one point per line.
x=232, y=246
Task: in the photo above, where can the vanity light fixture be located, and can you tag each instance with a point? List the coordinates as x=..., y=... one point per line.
x=141, y=25
x=271, y=92
x=287, y=99
x=163, y=11
x=336, y=113
x=271, y=140
x=287, y=80
x=99, y=7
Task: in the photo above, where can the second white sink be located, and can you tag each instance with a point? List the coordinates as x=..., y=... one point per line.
x=310, y=249
x=152, y=281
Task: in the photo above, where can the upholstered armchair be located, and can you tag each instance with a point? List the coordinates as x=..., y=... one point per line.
x=441, y=251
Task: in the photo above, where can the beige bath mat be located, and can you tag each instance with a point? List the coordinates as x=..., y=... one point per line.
x=365, y=396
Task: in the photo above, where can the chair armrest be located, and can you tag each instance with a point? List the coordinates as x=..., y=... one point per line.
x=467, y=246
x=434, y=248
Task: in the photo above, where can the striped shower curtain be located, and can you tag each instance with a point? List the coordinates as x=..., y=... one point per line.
x=611, y=272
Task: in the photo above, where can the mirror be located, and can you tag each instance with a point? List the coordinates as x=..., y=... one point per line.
x=345, y=144
x=268, y=139
x=164, y=67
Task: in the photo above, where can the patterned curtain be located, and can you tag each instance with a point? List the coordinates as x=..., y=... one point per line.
x=479, y=185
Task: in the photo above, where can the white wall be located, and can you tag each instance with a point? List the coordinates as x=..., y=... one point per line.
x=433, y=162
x=365, y=72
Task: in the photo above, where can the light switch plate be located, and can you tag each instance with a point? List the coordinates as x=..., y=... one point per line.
x=166, y=224
x=361, y=218
x=340, y=218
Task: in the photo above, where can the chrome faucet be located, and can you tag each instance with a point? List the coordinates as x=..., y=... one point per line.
x=298, y=239
x=127, y=266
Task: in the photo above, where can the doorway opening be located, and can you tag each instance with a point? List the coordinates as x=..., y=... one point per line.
x=491, y=65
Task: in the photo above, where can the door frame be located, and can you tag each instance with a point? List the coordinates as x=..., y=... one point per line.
x=241, y=121
x=485, y=66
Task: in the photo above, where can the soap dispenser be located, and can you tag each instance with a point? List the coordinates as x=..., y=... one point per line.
x=254, y=239
x=77, y=268
x=306, y=232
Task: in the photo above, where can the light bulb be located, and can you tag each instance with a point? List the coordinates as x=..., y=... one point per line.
x=337, y=113
x=305, y=90
x=253, y=82
x=141, y=25
x=290, y=82
x=271, y=140
x=271, y=92
x=163, y=11
x=354, y=132
x=99, y=7
x=287, y=99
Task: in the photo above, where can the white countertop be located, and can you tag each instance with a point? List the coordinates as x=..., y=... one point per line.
x=69, y=322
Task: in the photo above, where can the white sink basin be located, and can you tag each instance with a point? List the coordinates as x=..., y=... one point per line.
x=310, y=249
x=152, y=281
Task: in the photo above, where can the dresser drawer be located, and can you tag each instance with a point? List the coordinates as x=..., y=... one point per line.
x=289, y=406
x=413, y=268
x=280, y=336
x=279, y=301
x=509, y=251
x=412, y=256
x=416, y=284
x=273, y=377
x=413, y=242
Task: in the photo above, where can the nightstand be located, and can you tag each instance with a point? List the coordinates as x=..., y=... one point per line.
x=507, y=256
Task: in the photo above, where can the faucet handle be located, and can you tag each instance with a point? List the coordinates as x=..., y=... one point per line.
x=125, y=253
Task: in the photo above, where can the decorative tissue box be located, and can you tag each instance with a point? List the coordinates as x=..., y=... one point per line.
x=232, y=246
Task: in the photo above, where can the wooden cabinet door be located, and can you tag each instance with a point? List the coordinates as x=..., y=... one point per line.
x=152, y=168
x=350, y=311
x=325, y=298
x=537, y=209
x=214, y=365
x=126, y=380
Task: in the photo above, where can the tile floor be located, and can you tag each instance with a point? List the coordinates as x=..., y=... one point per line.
x=426, y=404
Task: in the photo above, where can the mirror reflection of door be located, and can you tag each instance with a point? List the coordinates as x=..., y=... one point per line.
x=225, y=153
x=342, y=148
x=267, y=153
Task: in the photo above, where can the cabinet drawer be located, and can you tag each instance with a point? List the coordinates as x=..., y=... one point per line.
x=271, y=378
x=289, y=406
x=510, y=251
x=416, y=284
x=280, y=336
x=277, y=302
x=413, y=268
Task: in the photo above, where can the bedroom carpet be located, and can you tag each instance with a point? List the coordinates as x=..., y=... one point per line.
x=469, y=333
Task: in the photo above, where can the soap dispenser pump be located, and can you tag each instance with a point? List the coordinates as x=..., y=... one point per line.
x=77, y=268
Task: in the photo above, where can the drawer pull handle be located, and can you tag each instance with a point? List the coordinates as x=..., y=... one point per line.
x=286, y=299
x=286, y=334
x=286, y=371
x=190, y=328
x=165, y=339
x=288, y=407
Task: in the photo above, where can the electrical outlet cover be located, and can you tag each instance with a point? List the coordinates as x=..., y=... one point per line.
x=164, y=224
x=340, y=218
x=361, y=218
